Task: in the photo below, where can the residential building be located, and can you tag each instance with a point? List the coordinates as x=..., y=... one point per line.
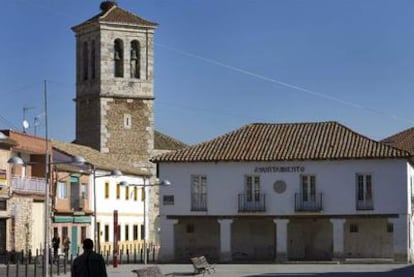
x=72, y=210
x=295, y=191
x=6, y=145
x=103, y=196
x=25, y=192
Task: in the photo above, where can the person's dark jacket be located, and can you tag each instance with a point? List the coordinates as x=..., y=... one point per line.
x=89, y=264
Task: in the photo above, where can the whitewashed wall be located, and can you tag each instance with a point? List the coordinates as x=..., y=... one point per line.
x=336, y=180
x=130, y=212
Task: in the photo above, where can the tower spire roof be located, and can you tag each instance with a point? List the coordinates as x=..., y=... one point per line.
x=112, y=13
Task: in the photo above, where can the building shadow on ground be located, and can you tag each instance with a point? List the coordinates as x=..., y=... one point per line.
x=407, y=271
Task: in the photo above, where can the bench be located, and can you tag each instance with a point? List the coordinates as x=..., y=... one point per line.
x=151, y=271
x=201, y=265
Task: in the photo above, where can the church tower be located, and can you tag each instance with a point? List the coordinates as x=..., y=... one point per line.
x=114, y=84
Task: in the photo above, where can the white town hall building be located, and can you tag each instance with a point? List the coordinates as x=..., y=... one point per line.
x=277, y=192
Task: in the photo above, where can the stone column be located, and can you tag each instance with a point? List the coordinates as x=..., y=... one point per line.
x=338, y=237
x=225, y=239
x=167, y=239
x=400, y=238
x=281, y=239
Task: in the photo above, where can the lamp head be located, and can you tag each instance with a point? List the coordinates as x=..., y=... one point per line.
x=116, y=173
x=165, y=183
x=15, y=161
x=78, y=160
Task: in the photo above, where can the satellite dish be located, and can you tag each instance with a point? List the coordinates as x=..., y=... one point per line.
x=25, y=124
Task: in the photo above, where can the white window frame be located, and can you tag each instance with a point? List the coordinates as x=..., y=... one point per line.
x=364, y=190
x=252, y=188
x=84, y=191
x=127, y=121
x=62, y=190
x=198, y=190
x=308, y=188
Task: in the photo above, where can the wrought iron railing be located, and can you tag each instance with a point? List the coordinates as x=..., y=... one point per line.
x=308, y=202
x=199, y=202
x=252, y=202
x=364, y=205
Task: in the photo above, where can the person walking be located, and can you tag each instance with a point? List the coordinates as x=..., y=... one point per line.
x=66, y=245
x=55, y=246
x=90, y=263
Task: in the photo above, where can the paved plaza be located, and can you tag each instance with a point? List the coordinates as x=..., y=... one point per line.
x=282, y=270
x=265, y=270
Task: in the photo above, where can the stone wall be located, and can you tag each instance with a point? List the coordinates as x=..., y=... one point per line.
x=132, y=144
x=20, y=224
x=103, y=101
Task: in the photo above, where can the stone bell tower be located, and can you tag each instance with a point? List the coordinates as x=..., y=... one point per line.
x=115, y=85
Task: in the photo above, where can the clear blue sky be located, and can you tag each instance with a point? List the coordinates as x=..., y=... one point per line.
x=221, y=64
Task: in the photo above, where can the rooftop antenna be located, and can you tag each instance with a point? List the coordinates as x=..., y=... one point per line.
x=25, y=123
x=37, y=121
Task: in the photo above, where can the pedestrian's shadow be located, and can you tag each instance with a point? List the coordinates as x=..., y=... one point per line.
x=407, y=271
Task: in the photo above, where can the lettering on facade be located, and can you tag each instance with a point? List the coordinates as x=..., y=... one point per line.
x=279, y=169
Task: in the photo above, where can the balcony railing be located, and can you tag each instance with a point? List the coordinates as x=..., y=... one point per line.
x=77, y=203
x=364, y=205
x=28, y=185
x=252, y=202
x=308, y=203
x=199, y=202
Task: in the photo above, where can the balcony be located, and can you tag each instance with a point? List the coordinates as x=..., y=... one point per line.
x=77, y=203
x=364, y=205
x=308, y=203
x=252, y=202
x=199, y=202
x=28, y=185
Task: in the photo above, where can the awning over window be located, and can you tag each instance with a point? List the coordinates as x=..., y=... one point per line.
x=82, y=219
x=63, y=219
x=72, y=219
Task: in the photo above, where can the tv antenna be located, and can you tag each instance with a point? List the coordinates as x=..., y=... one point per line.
x=25, y=123
x=37, y=121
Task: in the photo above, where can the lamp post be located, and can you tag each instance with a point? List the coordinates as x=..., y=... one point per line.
x=114, y=173
x=145, y=185
x=75, y=160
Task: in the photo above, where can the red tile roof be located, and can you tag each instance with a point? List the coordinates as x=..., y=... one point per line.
x=403, y=140
x=164, y=142
x=118, y=15
x=100, y=160
x=282, y=142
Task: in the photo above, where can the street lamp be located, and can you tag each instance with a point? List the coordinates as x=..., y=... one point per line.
x=144, y=185
x=75, y=160
x=114, y=173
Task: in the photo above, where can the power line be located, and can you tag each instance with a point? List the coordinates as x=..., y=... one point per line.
x=8, y=123
x=26, y=87
x=285, y=84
